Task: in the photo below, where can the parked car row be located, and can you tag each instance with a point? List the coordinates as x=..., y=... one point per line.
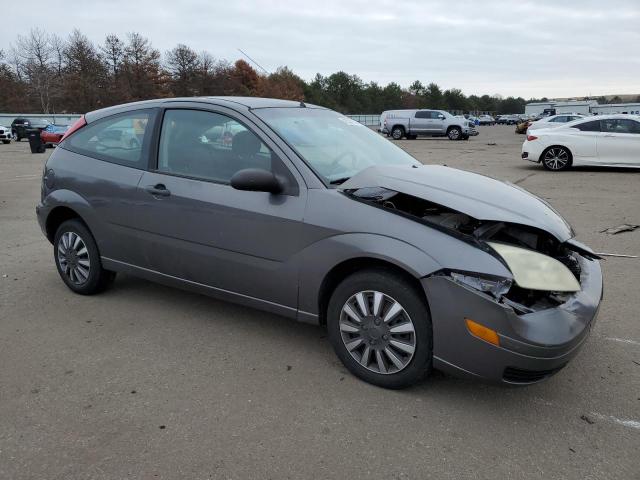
x=50, y=134
x=605, y=140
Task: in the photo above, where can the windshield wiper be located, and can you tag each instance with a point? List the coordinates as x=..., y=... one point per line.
x=338, y=181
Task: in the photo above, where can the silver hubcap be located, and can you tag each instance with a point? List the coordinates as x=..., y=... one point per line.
x=377, y=332
x=556, y=158
x=454, y=133
x=73, y=258
x=397, y=133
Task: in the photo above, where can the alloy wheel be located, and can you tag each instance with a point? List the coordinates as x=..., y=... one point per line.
x=556, y=158
x=454, y=133
x=73, y=258
x=377, y=332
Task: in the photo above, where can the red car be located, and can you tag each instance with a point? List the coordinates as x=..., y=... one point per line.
x=52, y=134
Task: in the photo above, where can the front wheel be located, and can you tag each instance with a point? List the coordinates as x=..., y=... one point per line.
x=556, y=159
x=380, y=328
x=78, y=260
x=454, y=133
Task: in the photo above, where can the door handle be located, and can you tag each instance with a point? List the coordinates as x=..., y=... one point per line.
x=159, y=190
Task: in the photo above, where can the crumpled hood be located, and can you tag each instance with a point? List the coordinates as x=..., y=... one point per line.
x=478, y=196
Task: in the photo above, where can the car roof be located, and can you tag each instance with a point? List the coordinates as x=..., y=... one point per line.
x=247, y=103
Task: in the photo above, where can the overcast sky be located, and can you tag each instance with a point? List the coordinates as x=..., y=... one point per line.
x=518, y=47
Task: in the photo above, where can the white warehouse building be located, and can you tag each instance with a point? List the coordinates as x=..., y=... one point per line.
x=631, y=108
x=584, y=107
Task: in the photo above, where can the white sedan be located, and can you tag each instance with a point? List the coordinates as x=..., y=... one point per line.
x=605, y=140
x=554, y=121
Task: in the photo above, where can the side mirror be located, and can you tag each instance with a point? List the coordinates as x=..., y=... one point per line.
x=256, y=180
x=441, y=116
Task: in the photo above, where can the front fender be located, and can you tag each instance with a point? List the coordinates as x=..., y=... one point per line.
x=321, y=257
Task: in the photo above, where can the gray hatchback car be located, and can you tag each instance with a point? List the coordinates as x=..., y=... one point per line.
x=301, y=211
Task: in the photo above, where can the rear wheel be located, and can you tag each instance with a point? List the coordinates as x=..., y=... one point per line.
x=78, y=260
x=397, y=133
x=556, y=158
x=454, y=133
x=380, y=328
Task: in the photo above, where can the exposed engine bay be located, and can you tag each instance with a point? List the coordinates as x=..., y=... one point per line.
x=480, y=232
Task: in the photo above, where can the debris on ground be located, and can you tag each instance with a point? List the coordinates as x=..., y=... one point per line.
x=625, y=227
x=587, y=419
x=492, y=143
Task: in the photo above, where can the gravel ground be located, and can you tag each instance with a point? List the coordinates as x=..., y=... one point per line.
x=149, y=382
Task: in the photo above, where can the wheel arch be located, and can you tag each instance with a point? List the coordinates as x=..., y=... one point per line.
x=556, y=145
x=342, y=270
x=57, y=216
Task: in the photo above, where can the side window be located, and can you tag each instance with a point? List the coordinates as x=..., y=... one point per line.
x=620, y=126
x=118, y=139
x=423, y=114
x=212, y=146
x=435, y=115
x=593, y=126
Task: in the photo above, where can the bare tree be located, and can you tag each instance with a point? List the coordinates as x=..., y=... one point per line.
x=84, y=74
x=36, y=63
x=182, y=65
x=142, y=68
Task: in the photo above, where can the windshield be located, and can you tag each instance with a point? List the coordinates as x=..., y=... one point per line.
x=334, y=146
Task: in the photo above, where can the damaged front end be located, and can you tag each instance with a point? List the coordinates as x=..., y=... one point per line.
x=517, y=325
x=546, y=271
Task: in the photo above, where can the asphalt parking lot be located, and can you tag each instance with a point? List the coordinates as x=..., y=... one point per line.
x=146, y=382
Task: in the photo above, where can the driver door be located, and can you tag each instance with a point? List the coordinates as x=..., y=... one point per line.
x=202, y=230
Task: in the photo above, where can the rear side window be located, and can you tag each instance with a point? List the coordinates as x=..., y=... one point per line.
x=593, y=126
x=423, y=114
x=117, y=139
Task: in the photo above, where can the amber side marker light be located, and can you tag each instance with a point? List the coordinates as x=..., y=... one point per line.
x=482, y=332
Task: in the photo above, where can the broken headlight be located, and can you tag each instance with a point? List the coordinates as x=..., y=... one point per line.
x=535, y=271
x=495, y=286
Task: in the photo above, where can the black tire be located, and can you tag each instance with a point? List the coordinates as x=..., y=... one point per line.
x=454, y=133
x=397, y=133
x=556, y=158
x=397, y=288
x=98, y=278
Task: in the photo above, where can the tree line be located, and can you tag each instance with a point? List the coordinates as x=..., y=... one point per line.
x=44, y=73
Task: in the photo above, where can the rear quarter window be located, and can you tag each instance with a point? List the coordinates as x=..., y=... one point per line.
x=117, y=139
